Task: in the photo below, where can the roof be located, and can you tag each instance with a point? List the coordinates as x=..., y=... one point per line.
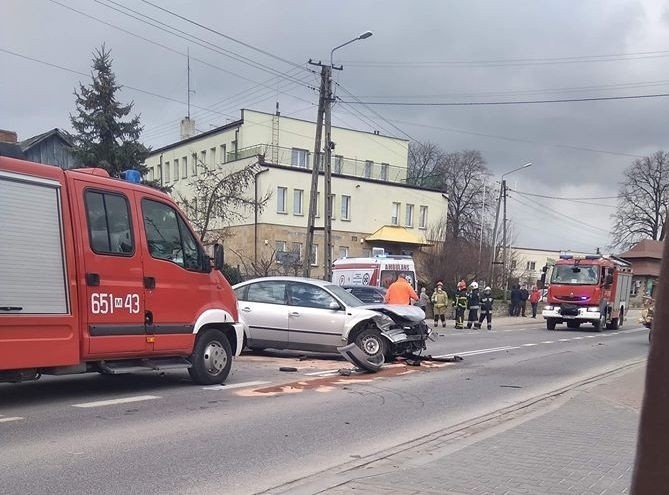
x=202, y=135
x=647, y=248
x=30, y=142
x=396, y=233
x=11, y=150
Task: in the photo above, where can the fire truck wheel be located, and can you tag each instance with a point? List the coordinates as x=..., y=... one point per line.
x=550, y=324
x=613, y=325
x=211, y=358
x=600, y=324
x=371, y=342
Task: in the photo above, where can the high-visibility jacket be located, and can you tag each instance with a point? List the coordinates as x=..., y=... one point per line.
x=460, y=299
x=440, y=298
x=400, y=292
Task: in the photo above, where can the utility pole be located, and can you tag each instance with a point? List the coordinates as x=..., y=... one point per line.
x=329, y=204
x=313, y=194
x=493, y=255
x=505, y=284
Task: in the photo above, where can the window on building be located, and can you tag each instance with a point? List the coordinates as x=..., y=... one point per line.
x=223, y=154
x=333, y=203
x=184, y=168
x=281, y=196
x=203, y=159
x=338, y=164
x=212, y=158
x=345, y=207
x=318, y=205
x=314, y=255
x=167, y=171
x=408, y=217
x=320, y=159
x=298, y=200
x=395, y=216
x=280, y=247
x=176, y=169
x=530, y=265
x=343, y=252
x=193, y=164
x=422, y=218
x=109, y=226
x=299, y=158
x=297, y=249
x=152, y=174
x=369, y=165
x=234, y=150
x=384, y=172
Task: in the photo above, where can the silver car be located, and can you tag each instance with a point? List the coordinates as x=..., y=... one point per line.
x=315, y=315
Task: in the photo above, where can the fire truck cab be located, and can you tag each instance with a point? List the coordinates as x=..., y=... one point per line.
x=101, y=274
x=588, y=289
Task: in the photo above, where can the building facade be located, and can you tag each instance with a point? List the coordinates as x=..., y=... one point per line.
x=527, y=263
x=369, y=190
x=645, y=258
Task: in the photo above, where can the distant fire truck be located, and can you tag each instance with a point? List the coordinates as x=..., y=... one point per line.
x=588, y=289
x=380, y=270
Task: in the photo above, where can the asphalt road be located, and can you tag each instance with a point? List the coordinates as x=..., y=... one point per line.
x=147, y=433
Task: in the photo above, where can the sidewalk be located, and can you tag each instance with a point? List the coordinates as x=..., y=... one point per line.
x=580, y=442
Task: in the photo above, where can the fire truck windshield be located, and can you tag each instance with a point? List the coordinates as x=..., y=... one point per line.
x=575, y=274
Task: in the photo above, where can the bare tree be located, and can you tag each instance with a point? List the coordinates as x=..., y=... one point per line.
x=220, y=197
x=264, y=266
x=643, y=200
x=424, y=161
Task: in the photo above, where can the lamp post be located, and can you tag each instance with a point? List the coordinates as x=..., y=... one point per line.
x=502, y=196
x=324, y=116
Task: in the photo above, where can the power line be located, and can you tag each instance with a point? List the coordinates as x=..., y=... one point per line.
x=247, y=45
x=564, y=198
x=514, y=62
x=488, y=103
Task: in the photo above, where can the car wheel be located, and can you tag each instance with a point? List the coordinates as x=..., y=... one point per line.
x=211, y=359
x=372, y=342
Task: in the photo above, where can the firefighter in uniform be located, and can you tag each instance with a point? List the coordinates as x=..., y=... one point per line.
x=486, y=308
x=439, y=305
x=473, y=304
x=460, y=304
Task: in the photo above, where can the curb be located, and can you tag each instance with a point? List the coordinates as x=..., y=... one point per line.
x=340, y=474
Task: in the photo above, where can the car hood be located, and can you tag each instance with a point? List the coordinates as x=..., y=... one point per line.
x=410, y=313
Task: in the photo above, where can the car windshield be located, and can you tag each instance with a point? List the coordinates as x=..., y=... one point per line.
x=344, y=296
x=575, y=274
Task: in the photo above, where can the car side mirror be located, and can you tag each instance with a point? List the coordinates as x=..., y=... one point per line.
x=334, y=305
x=218, y=257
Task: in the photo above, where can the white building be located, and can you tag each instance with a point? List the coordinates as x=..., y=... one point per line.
x=369, y=188
x=527, y=263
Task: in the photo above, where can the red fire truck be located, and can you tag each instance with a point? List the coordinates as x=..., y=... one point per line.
x=102, y=274
x=588, y=289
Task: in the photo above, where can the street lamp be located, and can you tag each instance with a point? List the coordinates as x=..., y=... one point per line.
x=363, y=36
x=502, y=194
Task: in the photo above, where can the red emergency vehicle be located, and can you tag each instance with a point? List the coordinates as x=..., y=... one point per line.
x=588, y=289
x=101, y=274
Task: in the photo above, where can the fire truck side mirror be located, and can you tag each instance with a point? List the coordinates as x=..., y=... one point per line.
x=218, y=256
x=608, y=280
x=542, y=281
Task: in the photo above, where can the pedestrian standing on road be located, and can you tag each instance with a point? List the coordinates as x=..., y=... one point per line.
x=460, y=304
x=400, y=292
x=514, y=306
x=524, y=295
x=423, y=300
x=535, y=297
x=486, y=307
x=474, y=304
x=439, y=305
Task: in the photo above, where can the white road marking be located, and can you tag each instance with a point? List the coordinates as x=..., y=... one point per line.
x=578, y=338
x=634, y=330
x=477, y=352
x=322, y=373
x=234, y=385
x=564, y=340
x=112, y=402
x=548, y=342
x=528, y=345
x=590, y=336
x=13, y=418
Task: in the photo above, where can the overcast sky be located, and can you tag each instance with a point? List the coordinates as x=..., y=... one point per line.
x=421, y=51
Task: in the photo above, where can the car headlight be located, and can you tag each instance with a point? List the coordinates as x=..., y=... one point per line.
x=549, y=308
x=593, y=309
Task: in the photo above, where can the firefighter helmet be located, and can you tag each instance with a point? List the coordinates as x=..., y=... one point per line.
x=474, y=285
x=462, y=285
x=440, y=284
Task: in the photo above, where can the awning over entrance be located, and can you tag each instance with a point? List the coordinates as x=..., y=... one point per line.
x=398, y=234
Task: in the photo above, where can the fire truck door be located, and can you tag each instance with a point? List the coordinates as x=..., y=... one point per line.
x=111, y=285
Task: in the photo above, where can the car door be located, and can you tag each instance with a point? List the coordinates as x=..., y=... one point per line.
x=112, y=279
x=314, y=325
x=262, y=306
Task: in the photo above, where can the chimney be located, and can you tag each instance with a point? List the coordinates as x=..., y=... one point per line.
x=8, y=137
x=187, y=128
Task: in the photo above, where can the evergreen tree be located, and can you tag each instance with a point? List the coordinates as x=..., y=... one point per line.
x=102, y=138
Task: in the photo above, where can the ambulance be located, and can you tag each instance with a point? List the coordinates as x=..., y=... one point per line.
x=380, y=270
x=105, y=275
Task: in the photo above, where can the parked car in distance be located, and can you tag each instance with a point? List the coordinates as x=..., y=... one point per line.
x=367, y=293
x=316, y=315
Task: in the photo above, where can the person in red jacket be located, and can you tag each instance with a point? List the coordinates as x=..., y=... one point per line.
x=535, y=297
x=400, y=292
